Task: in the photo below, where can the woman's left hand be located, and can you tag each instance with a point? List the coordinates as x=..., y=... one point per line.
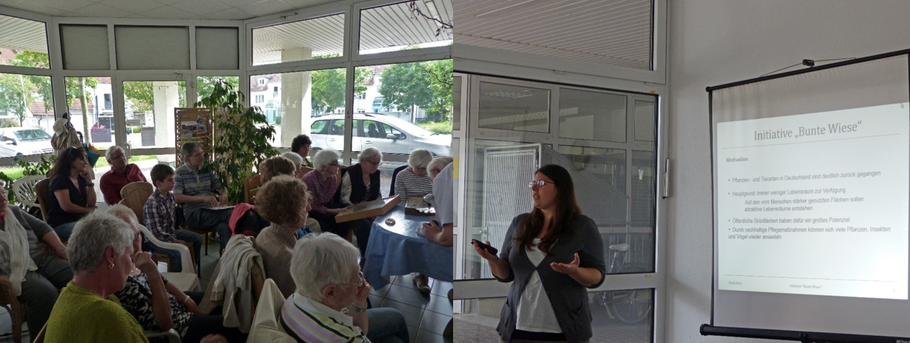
x=566, y=268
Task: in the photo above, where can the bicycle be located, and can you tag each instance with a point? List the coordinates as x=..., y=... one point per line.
x=630, y=306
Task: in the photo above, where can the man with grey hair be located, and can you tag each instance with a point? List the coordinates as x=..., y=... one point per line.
x=443, y=194
x=330, y=304
x=120, y=175
x=198, y=191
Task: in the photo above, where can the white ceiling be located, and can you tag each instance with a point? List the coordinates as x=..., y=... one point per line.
x=161, y=9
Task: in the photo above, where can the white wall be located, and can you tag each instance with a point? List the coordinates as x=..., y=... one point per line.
x=713, y=42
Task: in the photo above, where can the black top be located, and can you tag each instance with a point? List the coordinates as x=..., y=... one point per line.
x=358, y=188
x=55, y=214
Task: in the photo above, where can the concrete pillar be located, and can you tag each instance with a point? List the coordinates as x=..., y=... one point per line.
x=296, y=106
x=166, y=99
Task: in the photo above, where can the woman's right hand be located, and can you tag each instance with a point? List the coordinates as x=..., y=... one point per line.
x=483, y=252
x=145, y=263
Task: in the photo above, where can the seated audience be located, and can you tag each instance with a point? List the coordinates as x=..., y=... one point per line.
x=330, y=301
x=441, y=170
x=34, y=272
x=100, y=252
x=274, y=166
x=298, y=162
x=360, y=183
x=71, y=195
x=279, y=167
x=160, y=212
x=413, y=180
x=301, y=145
x=321, y=183
x=120, y=175
x=157, y=304
x=279, y=202
x=199, y=191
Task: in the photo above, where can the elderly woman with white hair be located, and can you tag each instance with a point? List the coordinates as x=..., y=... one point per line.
x=360, y=183
x=413, y=180
x=321, y=183
x=330, y=302
x=101, y=256
x=156, y=303
x=298, y=161
x=100, y=252
x=121, y=174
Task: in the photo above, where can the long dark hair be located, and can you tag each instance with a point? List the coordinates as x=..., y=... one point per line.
x=567, y=211
x=65, y=159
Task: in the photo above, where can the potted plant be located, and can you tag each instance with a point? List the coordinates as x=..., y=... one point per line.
x=241, y=138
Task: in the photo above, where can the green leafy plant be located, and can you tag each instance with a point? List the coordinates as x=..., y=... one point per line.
x=241, y=137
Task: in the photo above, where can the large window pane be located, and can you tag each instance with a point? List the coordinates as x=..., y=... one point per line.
x=409, y=106
x=87, y=100
x=317, y=37
x=592, y=115
x=23, y=42
x=508, y=107
x=405, y=25
x=26, y=115
x=623, y=316
x=149, y=108
x=292, y=101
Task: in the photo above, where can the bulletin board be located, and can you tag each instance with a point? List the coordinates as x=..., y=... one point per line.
x=194, y=125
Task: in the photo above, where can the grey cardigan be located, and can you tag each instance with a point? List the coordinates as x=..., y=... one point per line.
x=568, y=298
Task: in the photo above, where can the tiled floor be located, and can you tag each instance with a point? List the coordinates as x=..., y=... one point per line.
x=426, y=315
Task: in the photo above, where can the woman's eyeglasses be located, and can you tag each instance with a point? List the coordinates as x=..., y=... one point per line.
x=359, y=281
x=538, y=183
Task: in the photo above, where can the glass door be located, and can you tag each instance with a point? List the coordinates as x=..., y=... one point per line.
x=607, y=141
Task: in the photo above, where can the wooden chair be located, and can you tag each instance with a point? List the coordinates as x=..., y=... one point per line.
x=11, y=304
x=135, y=195
x=250, y=188
x=39, y=338
x=41, y=191
x=24, y=189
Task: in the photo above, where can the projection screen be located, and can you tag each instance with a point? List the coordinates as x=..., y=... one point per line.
x=810, y=177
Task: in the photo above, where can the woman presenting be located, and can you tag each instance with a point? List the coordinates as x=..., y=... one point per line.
x=552, y=254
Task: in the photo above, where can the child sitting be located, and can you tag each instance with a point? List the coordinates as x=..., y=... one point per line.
x=160, y=217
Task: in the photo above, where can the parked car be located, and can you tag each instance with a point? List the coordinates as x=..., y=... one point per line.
x=388, y=134
x=20, y=141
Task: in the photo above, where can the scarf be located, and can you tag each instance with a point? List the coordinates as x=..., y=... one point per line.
x=16, y=257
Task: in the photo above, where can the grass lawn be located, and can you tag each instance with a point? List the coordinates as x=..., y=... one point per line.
x=16, y=172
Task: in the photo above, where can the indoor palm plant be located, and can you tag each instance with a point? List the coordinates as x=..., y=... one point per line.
x=242, y=137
